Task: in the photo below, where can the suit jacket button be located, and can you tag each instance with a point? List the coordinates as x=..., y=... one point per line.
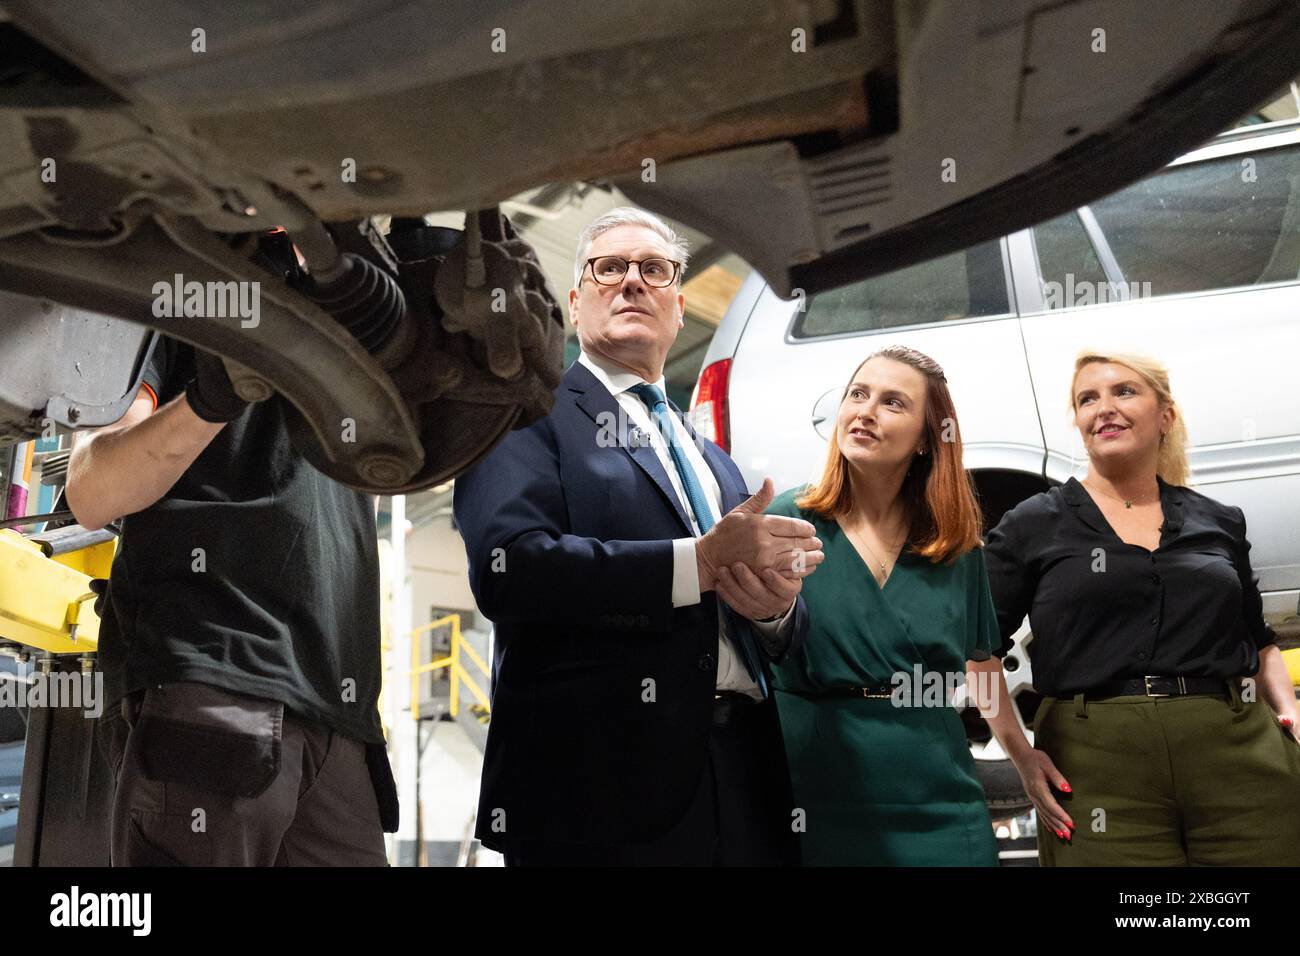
x=706, y=662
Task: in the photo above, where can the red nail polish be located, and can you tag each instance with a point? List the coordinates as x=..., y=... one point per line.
x=1065, y=788
x=1286, y=722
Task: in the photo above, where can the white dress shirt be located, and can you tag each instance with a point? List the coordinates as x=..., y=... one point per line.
x=732, y=674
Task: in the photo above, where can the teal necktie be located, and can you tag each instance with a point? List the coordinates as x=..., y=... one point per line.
x=661, y=415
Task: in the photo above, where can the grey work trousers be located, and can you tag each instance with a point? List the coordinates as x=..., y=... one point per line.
x=208, y=777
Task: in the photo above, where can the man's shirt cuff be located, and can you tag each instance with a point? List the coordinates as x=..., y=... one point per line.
x=686, y=573
x=769, y=630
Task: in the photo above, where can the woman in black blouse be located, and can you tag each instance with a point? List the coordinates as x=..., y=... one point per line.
x=1166, y=735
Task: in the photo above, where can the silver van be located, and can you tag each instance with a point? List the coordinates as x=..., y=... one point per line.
x=1197, y=265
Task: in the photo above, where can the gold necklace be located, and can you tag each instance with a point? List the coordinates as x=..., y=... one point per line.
x=1127, y=503
x=884, y=573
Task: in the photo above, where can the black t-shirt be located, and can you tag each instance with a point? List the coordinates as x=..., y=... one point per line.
x=254, y=572
x=1102, y=610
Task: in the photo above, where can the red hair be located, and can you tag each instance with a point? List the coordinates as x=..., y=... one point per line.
x=941, y=510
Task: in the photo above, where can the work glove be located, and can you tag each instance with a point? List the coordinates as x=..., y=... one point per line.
x=210, y=393
x=100, y=587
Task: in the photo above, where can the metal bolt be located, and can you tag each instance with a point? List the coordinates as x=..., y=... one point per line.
x=248, y=386
x=382, y=470
x=253, y=389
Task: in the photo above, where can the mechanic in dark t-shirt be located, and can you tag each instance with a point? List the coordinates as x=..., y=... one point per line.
x=240, y=634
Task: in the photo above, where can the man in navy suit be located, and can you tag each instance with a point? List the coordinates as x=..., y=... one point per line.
x=638, y=593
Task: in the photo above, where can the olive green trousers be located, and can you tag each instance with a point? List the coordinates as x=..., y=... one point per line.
x=1198, y=780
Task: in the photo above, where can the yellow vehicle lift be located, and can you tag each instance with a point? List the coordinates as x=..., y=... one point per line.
x=47, y=606
x=45, y=597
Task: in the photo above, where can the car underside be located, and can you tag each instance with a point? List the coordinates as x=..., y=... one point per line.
x=208, y=149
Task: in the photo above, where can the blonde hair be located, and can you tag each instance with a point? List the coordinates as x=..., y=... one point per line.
x=1171, y=462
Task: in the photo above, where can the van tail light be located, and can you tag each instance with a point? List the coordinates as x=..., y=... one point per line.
x=709, y=413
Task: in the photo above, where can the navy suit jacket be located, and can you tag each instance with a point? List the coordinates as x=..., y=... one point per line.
x=602, y=690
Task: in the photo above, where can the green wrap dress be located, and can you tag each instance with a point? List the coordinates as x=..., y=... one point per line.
x=880, y=784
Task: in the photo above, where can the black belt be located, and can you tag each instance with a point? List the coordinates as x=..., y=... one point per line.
x=1159, y=687
x=730, y=706
x=871, y=692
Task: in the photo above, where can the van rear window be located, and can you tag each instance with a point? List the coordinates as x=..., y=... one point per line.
x=966, y=284
x=1217, y=224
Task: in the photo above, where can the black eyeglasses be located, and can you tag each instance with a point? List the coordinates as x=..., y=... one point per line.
x=657, y=272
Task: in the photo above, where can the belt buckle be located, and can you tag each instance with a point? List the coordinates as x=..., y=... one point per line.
x=1146, y=682
x=866, y=693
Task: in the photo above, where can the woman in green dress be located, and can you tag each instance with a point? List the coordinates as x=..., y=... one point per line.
x=878, y=756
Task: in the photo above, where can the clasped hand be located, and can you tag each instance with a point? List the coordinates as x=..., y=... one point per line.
x=757, y=562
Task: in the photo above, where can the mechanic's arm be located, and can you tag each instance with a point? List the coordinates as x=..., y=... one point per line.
x=128, y=465
x=125, y=467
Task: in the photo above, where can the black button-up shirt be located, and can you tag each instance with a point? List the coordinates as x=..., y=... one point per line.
x=1102, y=610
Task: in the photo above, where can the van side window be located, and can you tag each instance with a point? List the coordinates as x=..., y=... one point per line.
x=1218, y=224
x=1067, y=262
x=962, y=285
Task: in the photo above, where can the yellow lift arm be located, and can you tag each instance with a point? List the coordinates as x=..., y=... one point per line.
x=46, y=602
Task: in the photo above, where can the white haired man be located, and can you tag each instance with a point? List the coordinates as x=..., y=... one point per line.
x=638, y=593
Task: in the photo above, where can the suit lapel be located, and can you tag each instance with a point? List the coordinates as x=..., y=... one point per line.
x=603, y=409
x=712, y=454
